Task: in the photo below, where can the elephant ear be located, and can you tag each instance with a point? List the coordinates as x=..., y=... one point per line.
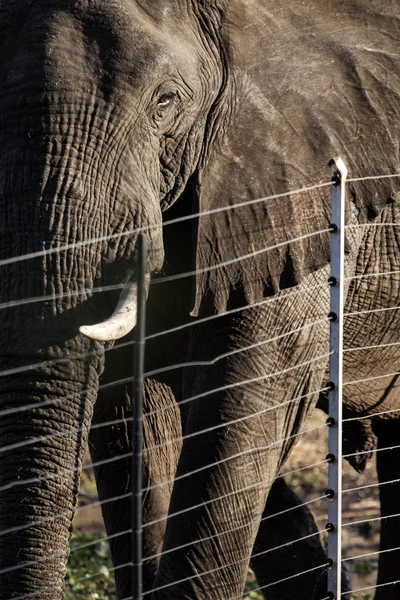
x=297, y=91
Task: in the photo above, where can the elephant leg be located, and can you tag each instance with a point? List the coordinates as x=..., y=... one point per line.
x=293, y=521
x=388, y=468
x=244, y=409
x=162, y=427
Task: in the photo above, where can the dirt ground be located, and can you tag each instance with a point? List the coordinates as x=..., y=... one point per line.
x=308, y=483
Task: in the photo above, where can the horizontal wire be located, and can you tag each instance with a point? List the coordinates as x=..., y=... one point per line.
x=51, y=476
x=148, y=374
x=375, y=553
x=61, y=295
x=366, y=225
x=263, y=587
x=225, y=532
x=106, y=538
x=47, y=363
x=247, y=488
x=293, y=471
x=232, y=493
x=159, y=554
x=100, y=573
x=238, y=562
x=372, y=451
x=369, y=177
x=114, y=236
x=270, y=584
x=368, y=275
x=102, y=289
x=233, y=421
x=370, y=520
x=41, y=253
x=240, y=258
x=213, y=361
x=378, y=414
x=232, y=530
x=371, y=378
x=247, y=381
x=129, y=531
x=371, y=311
x=371, y=485
x=102, y=387
x=63, y=471
x=67, y=432
x=370, y=587
x=232, y=457
x=268, y=300
x=41, y=590
x=56, y=361
x=128, y=494
x=374, y=346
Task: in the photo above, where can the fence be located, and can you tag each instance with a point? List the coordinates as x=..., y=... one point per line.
x=332, y=493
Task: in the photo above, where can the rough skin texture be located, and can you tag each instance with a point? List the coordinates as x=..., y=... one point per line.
x=128, y=114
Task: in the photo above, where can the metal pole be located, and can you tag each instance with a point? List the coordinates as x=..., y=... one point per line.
x=336, y=282
x=137, y=422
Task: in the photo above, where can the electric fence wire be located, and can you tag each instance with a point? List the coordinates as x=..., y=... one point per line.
x=164, y=552
x=172, y=330
x=376, y=586
x=127, y=380
x=52, y=518
x=129, y=564
x=353, y=489
x=228, y=565
x=56, y=361
x=137, y=230
x=368, y=554
x=111, y=288
x=68, y=431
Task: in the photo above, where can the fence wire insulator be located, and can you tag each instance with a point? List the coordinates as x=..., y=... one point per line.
x=337, y=229
x=137, y=422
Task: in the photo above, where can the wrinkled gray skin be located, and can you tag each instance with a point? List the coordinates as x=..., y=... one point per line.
x=122, y=114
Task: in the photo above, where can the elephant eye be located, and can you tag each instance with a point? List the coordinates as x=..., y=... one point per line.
x=165, y=100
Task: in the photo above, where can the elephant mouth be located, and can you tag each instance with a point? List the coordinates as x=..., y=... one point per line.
x=122, y=320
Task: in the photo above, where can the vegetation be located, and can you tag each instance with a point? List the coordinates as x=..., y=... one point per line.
x=90, y=575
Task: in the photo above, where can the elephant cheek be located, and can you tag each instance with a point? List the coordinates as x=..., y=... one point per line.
x=44, y=425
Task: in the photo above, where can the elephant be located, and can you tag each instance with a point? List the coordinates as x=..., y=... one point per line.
x=207, y=125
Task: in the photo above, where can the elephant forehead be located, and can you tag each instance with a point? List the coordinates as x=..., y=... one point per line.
x=119, y=44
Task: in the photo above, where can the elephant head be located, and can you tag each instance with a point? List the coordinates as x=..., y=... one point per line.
x=106, y=108
x=109, y=113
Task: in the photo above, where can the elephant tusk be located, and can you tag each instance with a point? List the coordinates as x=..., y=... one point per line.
x=123, y=319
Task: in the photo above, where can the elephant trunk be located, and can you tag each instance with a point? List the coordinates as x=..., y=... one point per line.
x=48, y=384
x=44, y=425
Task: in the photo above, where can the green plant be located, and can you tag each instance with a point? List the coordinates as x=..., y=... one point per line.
x=90, y=575
x=363, y=567
x=251, y=591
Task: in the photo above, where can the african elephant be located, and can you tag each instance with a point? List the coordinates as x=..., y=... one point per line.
x=195, y=121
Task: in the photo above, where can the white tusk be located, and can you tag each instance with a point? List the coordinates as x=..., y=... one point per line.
x=123, y=319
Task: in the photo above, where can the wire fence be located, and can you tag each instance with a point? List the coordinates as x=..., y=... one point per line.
x=204, y=453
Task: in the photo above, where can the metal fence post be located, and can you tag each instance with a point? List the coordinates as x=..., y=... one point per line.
x=336, y=282
x=137, y=422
